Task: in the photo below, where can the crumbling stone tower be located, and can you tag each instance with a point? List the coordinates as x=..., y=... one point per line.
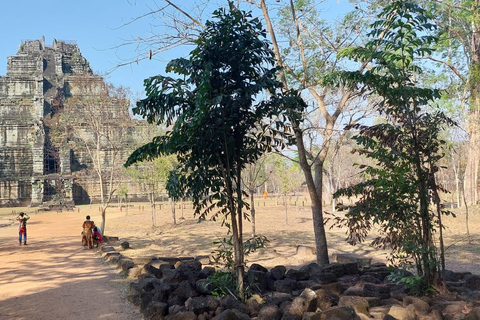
x=32, y=169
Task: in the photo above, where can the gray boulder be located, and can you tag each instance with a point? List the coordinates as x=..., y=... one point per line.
x=269, y=312
x=201, y=304
x=231, y=315
x=472, y=282
x=257, y=267
x=359, y=304
x=162, y=291
x=181, y=294
x=376, y=290
x=402, y=313
x=277, y=298
x=324, y=277
x=278, y=272
x=257, y=280
x=192, y=265
x=185, y=315
x=335, y=268
x=157, y=309
x=340, y=313
x=311, y=268
x=325, y=299
x=286, y=286
x=296, y=275
x=229, y=302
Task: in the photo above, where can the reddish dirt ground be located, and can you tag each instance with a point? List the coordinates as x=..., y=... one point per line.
x=53, y=277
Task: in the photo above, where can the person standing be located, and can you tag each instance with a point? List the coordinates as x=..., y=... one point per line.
x=88, y=224
x=87, y=233
x=22, y=228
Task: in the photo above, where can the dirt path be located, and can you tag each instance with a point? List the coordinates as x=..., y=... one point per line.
x=56, y=278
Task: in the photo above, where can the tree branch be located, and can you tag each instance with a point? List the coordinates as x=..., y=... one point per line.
x=455, y=70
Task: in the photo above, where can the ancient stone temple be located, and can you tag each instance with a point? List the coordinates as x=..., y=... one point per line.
x=34, y=167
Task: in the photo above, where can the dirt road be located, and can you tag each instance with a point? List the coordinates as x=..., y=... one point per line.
x=53, y=277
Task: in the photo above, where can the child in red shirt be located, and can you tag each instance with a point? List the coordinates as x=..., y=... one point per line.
x=97, y=235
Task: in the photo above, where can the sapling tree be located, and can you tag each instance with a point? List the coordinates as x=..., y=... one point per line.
x=220, y=118
x=92, y=120
x=400, y=191
x=254, y=176
x=152, y=176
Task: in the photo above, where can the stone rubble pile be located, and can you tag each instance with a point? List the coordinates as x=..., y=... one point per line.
x=179, y=289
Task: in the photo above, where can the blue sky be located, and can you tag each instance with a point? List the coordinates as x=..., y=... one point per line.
x=93, y=24
x=96, y=27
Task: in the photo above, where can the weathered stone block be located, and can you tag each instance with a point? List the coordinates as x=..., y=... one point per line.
x=340, y=313
x=269, y=312
x=359, y=304
x=278, y=272
x=201, y=304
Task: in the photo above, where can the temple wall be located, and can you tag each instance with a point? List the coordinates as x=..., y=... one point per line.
x=15, y=193
x=15, y=136
x=39, y=80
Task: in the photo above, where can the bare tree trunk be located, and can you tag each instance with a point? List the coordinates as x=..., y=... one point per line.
x=252, y=213
x=236, y=225
x=172, y=206
x=98, y=169
x=466, y=217
x=318, y=224
x=314, y=188
x=457, y=182
x=241, y=254
x=286, y=208
x=102, y=203
x=181, y=205
x=471, y=171
x=154, y=214
x=153, y=210
x=442, y=246
x=102, y=225
x=238, y=252
x=437, y=203
x=126, y=201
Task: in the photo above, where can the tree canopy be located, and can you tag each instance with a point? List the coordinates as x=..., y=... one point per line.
x=400, y=185
x=224, y=111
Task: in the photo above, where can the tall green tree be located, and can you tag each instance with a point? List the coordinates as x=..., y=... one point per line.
x=308, y=51
x=459, y=32
x=309, y=55
x=220, y=118
x=406, y=148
